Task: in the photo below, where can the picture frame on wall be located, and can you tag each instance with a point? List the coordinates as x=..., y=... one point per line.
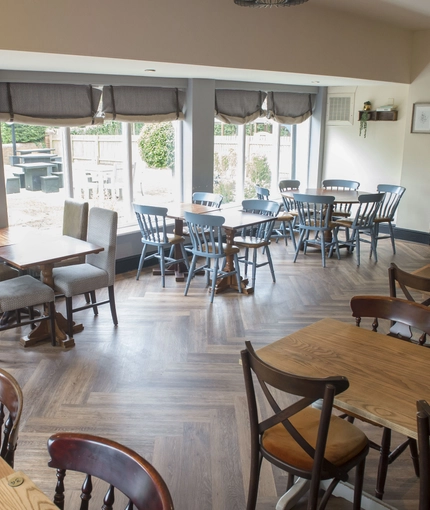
x=421, y=118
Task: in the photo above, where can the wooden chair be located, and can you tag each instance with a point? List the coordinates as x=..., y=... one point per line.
x=341, y=209
x=209, y=199
x=152, y=224
x=407, y=282
x=315, y=217
x=289, y=203
x=362, y=223
x=386, y=213
x=414, y=315
x=206, y=237
x=257, y=236
x=122, y=468
x=97, y=272
x=11, y=403
x=25, y=292
x=423, y=426
x=280, y=231
x=300, y=439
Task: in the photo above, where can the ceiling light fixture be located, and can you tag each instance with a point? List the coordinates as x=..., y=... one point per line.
x=268, y=3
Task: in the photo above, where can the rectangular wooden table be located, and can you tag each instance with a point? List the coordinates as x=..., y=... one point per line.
x=386, y=375
x=18, y=492
x=43, y=252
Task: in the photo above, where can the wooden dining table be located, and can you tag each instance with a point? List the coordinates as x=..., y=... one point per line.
x=235, y=219
x=44, y=251
x=340, y=196
x=386, y=375
x=19, y=492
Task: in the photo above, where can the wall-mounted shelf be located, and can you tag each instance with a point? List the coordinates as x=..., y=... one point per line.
x=374, y=115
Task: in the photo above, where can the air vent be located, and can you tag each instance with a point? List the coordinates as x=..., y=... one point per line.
x=340, y=109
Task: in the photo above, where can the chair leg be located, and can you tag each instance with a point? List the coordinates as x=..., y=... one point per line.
x=292, y=236
x=357, y=245
x=94, y=300
x=190, y=274
x=87, y=298
x=112, y=305
x=414, y=456
x=254, y=267
x=269, y=260
x=162, y=266
x=141, y=260
x=238, y=278
x=301, y=236
x=323, y=250
x=393, y=244
x=383, y=463
x=358, y=486
x=254, y=478
x=185, y=257
x=214, y=278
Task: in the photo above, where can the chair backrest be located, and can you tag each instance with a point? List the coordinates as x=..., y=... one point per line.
x=340, y=184
x=102, y=230
x=75, y=219
x=264, y=208
x=414, y=315
x=367, y=210
x=289, y=185
x=209, y=199
x=122, y=468
x=152, y=223
x=423, y=426
x=11, y=402
x=204, y=232
x=262, y=193
x=391, y=201
x=406, y=281
x=309, y=389
x=314, y=211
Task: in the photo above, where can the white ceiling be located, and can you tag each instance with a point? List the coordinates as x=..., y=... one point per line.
x=409, y=14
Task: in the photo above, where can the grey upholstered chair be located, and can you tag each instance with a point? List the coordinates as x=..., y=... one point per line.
x=27, y=292
x=97, y=272
x=75, y=224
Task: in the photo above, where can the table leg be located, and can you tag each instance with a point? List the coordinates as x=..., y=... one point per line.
x=230, y=282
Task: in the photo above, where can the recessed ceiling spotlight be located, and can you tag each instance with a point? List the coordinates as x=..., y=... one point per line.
x=149, y=71
x=315, y=81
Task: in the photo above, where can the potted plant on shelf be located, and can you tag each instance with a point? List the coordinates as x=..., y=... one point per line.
x=364, y=117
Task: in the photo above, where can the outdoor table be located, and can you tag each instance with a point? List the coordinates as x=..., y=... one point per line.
x=33, y=172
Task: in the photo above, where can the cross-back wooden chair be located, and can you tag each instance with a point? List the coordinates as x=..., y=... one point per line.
x=298, y=438
x=416, y=316
x=122, y=468
x=407, y=282
x=11, y=403
x=423, y=426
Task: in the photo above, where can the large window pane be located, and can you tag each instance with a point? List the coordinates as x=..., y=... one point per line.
x=35, y=193
x=225, y=160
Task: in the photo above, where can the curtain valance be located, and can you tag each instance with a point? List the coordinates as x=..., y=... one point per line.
x=289, y=107
x=48, y=104
x=142, y=104
x=239, y=106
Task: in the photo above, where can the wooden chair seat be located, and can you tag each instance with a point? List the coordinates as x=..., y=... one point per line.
x=250, y=242
x=174, y=239
x=344, y=441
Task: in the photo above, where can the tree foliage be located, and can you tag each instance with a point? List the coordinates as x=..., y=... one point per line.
x=107, y=128
x=157, y=145
x=257, y=173
x=23, y=133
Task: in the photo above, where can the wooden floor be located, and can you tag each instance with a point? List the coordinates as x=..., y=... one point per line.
x=167, y=381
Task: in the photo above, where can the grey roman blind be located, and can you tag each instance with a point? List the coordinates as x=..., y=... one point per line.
x=289, y=107
x=239, y=106
x=143, y=104
x=48, y=104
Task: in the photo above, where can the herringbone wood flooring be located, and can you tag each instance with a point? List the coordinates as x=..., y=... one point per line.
x=167, y=381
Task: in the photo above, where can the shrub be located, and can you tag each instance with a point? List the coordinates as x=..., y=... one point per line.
x=157, y=145
x=23, y=134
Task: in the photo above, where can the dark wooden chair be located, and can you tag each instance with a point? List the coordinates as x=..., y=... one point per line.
x=414, y=315
x=123, y=469
x=407, y=282
x=11, y=402
x=423, y=426
x=300, y=439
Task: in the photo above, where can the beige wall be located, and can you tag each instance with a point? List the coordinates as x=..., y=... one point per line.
x=302, y=39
